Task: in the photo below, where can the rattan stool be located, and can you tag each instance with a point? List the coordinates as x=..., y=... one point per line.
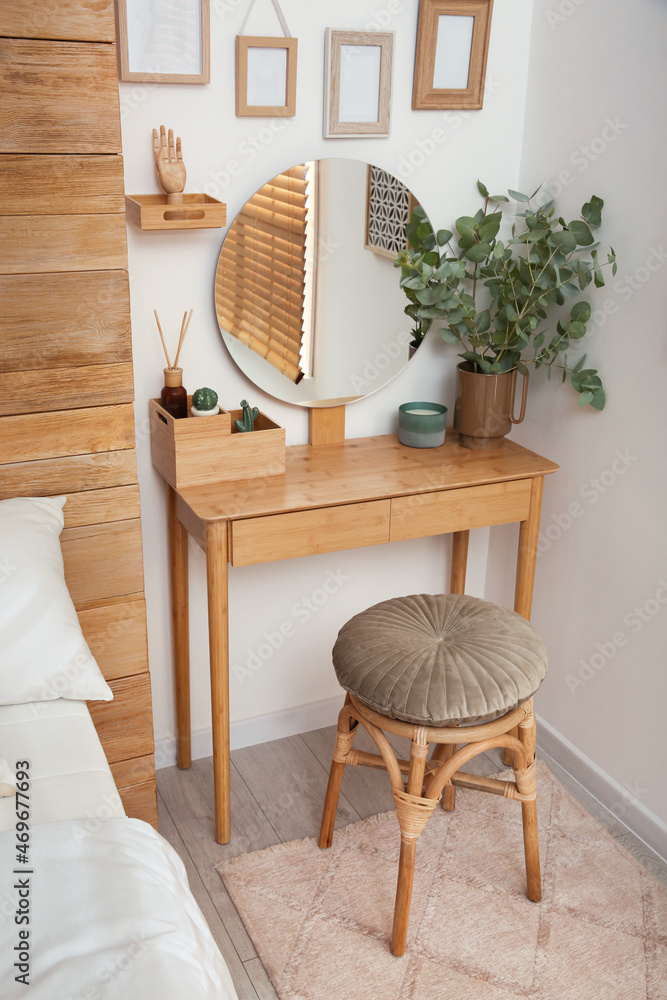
x=448, y=670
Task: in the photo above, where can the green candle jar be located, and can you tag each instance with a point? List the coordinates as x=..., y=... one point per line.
x=422, y=425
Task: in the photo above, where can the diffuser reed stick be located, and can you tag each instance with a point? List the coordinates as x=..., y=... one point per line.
x=164, y=346
x=184, y=329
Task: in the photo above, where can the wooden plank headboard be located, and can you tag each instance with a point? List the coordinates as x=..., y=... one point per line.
x=66, y=383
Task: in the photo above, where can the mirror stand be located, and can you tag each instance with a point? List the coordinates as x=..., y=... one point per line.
x=326, y=424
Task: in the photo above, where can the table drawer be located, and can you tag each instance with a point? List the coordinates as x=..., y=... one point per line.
x=457, y=510
x=309, y=532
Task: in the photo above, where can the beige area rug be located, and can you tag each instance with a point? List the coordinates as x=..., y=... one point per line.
x=321, y=920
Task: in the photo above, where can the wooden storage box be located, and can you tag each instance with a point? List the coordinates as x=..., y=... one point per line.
x=152, y=212
x=199, y=450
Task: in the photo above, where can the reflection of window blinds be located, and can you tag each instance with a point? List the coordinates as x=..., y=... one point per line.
x=259, y=289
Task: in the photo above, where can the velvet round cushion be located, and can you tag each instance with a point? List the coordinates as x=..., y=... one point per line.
x=440, y=659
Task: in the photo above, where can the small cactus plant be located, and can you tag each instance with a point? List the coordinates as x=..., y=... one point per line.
x=204, y=399
x=249, y=416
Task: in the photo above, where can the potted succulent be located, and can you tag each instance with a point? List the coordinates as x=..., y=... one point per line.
x=499, y=299
x=204, y=402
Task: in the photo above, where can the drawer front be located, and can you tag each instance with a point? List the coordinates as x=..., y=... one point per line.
x=457, y=510
x=309, y=532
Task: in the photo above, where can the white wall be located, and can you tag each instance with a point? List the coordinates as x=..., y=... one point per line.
x=595, y=119
x=440, y=155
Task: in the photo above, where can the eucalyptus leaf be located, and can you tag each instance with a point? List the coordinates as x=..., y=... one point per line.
x=592, y=211
x=482, y=190
x=517, y=195
x=582, y=233
x=465, y=225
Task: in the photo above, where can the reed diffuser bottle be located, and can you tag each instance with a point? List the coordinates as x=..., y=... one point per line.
x=174, y=397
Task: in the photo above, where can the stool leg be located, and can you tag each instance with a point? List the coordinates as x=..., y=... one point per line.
x=527, y=733
x=406, y=864
x=344, y=737
x=508, y=756
x=443, y=752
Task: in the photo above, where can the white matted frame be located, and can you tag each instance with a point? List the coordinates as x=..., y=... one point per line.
x=163, y=41
x=265, y=76
x=357, y=83
x=451, y=52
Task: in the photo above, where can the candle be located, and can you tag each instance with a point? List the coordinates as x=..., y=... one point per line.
x=421, y=424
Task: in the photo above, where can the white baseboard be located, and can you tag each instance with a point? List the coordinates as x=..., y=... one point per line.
x=261, y=729
x=617, y=800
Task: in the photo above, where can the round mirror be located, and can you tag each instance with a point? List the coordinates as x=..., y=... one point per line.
x=306, y=292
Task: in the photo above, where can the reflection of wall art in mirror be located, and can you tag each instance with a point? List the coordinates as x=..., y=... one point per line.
x=357, y=83
x=389, y=204
x=451, y=52
x=304, y=310
x=163, y=41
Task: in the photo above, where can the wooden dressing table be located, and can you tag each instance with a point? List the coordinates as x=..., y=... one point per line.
x=363, y=491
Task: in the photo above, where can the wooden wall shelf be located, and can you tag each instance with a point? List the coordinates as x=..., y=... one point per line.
x=152, y=212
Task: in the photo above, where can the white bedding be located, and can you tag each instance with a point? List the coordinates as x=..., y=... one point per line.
x=111, y=918
x=69, y=774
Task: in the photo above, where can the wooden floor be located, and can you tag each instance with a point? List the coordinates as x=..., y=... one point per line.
x=277, y=792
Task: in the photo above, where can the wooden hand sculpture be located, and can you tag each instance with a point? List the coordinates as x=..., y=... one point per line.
x=169, y=165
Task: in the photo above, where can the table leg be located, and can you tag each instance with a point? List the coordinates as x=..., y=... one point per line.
x=525, y=566
x=527, y=556
x=178, y=573
x=459, y=562
x=218, y=629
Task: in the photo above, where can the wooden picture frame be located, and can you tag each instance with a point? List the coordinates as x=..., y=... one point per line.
x=173, y=50
x=357, y=83
x=265, y=76
x=451, y=53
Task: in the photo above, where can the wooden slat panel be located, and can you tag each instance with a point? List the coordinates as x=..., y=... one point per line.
x=120, y=503
x=61, y=185
x=308, y=532
x=116, y=634
x=58, y=97
x=64, y=320
x=134, y=772
x=458, y=510
x=34, y=436
x=140, y=802
x=36, y=243
x=66, y=19
x=64, y=475
x=125, y=725
x=39, y=391
x=103, y=560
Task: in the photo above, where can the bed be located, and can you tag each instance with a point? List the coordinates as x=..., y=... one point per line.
x=92, y=903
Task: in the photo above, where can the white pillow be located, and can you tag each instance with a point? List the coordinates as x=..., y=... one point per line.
x=43, y=654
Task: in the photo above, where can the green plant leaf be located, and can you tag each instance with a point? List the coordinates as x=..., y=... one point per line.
x=483, y=321
x=585, y=398
x=592, y=212
x=517, y=195
x=499, y=197
x=482, y=190
x=465, y=225
x=581, y=312
x=478, y=252
x=582, y=233
x=448, y=335
x=564, y=240
x=444, y=236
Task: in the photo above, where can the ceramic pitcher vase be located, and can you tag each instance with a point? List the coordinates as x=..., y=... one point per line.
x=484, y=411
